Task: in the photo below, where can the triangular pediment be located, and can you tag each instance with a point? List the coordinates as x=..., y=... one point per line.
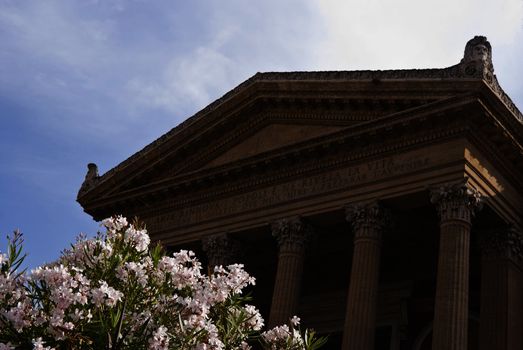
x=266, y=114
x=269, y=138
x=231, y=141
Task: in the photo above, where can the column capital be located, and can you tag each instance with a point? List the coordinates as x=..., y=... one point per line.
x=456, y=201
x=368, y=215
x=504, y=243
x=291, y=233
x=221, y=249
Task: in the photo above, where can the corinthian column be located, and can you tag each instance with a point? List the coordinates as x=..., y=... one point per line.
x=501, y=317
x=368, y=222
x=221, y=249
x=456, y=204
x=292, y=235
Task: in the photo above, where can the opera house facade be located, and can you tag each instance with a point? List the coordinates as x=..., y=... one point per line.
x=385, y=208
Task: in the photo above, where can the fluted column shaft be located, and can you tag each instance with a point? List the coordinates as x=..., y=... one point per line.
x=456, y=204
x=292, y=236
x=501, y=313
x=368, y=222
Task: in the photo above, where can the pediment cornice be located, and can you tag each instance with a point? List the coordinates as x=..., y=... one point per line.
x=369, y=98
x=439, y=120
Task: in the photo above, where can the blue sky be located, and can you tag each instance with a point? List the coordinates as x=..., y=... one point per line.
x=95, y=81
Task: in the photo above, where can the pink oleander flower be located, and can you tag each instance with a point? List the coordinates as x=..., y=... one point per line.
x=38, y=344
x=295, y=321
x=159, y=339
x=115, y=291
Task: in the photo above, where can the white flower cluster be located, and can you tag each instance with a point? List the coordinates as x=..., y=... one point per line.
x=112, y=291
x=283, y=337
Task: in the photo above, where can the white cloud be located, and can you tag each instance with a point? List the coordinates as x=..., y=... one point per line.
x=324, y=35
x=187, y=79
x=96, y=58
x=240, y=40
x=407, y=34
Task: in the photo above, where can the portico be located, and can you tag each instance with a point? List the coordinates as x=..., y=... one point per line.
x=382, y=207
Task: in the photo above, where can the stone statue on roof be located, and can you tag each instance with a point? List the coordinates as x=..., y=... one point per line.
x=91, y=178
x=477, y=60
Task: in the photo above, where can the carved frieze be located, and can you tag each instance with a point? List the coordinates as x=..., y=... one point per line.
x=456, y=201
x=292, y=233
x=297, y=189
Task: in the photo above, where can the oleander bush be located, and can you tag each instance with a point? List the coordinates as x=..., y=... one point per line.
x=114, y=291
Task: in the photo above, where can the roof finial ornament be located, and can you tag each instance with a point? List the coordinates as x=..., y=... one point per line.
x=477, y=60
x=91, y=178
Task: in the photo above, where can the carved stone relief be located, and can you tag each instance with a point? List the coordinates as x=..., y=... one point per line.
x=502, y=243
x=295, y=190
x=221, y=249
x=456, y=201
x=368, y=220
x=292, y=233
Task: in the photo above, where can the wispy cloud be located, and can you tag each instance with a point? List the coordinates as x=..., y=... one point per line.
x=237, y=42
x=120, y=64
x=131, y=57
x=189, y=79
x=96, y=80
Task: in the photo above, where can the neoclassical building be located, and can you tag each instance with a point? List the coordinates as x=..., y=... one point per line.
x=383, y=207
